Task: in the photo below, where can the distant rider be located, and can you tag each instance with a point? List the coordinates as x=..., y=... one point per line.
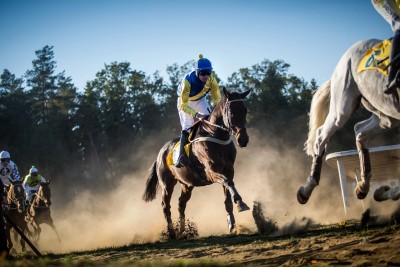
x=31, y=183
x=8, y=169
x=192, y=101
x=390, y=11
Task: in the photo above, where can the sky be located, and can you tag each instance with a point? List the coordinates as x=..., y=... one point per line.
x=310, y=35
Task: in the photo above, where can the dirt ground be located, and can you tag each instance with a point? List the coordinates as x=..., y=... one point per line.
x=329, y=246
x=351, y=243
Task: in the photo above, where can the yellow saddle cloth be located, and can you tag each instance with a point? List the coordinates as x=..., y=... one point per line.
x=174, y=153
x=376, y=58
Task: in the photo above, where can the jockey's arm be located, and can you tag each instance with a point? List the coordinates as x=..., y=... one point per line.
x=14, y=175
x=184, y=98
x=26, y=187
x=42, y=179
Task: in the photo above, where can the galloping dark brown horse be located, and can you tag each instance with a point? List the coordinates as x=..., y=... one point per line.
x=211, y=160
x=39, y=211
x=16, y=210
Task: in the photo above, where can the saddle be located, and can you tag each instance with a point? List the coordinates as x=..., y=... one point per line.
x=377, y=58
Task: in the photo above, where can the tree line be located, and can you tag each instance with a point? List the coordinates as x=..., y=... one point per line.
x=88, y=136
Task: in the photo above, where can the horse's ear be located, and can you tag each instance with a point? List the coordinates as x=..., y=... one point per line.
x=226, y=92
x=244, y=94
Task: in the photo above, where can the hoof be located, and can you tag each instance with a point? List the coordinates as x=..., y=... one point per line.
x=361, y=194
x=241, y=206
x=378, y=195
x=302, y=199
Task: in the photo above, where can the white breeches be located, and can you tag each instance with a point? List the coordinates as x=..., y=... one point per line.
x=200, y=106
x=29, y=191
x=389, y=10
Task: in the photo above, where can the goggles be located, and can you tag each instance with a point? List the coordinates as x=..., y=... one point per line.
x=205, y=73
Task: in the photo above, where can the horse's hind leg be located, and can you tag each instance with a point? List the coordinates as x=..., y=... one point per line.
x=50, y=222
x=364, y=131
x=166, y=204
x=229, y=209
x=331, y=125
x=186, y=194
x=10, y=244
x=343, y=101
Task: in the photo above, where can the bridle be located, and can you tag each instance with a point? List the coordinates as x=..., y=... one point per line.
x=41, y=200
x=15, y=200
x=227, y=119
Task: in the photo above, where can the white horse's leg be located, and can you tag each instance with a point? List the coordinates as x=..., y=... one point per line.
x=364, y=131
x=343, y=100
x=385, y=192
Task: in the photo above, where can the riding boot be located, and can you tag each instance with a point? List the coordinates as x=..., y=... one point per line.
x=394, y=66
x=182, y=159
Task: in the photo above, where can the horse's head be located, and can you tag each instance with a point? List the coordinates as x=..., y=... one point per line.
x=16, y=196
x=44, y=193
x=235, y=112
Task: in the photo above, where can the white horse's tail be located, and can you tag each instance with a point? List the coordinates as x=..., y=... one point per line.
x=318, y=113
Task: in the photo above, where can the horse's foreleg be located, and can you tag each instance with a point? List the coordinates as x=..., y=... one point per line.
x=304, y=193
x=362, y=188
x=385, y=192
x=36, y=230
x=52, y=225
x=230, y=185
x=229, y=210
x=186, y=194
x=22, y=241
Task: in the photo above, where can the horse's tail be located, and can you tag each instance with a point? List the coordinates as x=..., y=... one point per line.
x=151, y=184
x=318, y=113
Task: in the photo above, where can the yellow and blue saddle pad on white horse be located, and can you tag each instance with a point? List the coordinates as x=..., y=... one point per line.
x=376, y=58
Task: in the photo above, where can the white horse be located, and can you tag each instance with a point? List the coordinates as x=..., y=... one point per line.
x=333, y=104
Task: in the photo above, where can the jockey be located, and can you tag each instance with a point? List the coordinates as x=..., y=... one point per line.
x=192, y=101
x=31, y=183
x=390, y=11
x=8, y=169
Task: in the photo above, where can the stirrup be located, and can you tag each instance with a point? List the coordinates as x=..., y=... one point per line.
x=181, y=162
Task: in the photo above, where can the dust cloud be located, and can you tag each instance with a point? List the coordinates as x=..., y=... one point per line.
x=267, y=171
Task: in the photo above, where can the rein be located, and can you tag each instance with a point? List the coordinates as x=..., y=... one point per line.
x=37, y=203
x=14, y=200
x=226, y=129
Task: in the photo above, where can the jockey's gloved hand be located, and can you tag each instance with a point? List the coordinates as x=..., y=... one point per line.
x=200, y=116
